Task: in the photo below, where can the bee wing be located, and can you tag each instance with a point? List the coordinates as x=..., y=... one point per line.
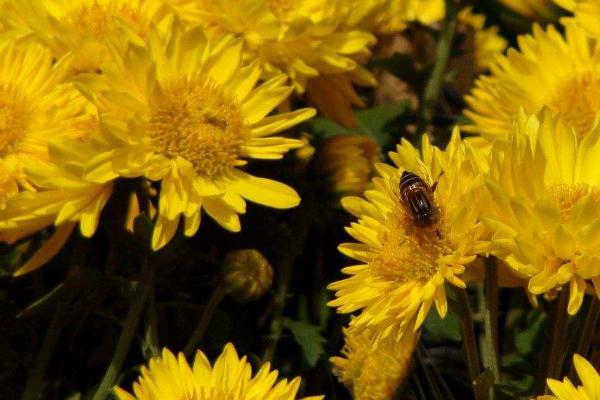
x=426, y=175
x=423, y=172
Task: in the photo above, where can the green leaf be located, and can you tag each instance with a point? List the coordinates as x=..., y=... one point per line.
x=376, y=122
x=445, y=329
x=324, y=311
x=514, y=389
x=308, y=338
x=324, y=127
x=528, y=340
x=8, y=258
x=515, y=361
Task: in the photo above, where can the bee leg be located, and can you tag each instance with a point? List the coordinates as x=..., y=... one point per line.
x=436, y=182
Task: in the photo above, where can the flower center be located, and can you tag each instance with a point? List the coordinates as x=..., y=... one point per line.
x=409, y=252
x=96, y=20
x=13, y=122
x=91, y=25
x=198, y=121
x=577, y=99
x=567, y=195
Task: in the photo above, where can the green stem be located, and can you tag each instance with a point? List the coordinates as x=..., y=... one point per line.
x=490, y=319
x=132, y=320
x=42, y=304
x=151, y=328
x=64, y=294
x=559, y=334
x=469, y=341
x=299, y=225
x=281, y=293
x=33, y=387
x=215, y=299
x=588, y=331
x=442, y=57
x=589, y=328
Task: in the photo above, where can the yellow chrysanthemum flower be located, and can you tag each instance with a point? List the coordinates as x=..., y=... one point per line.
x=374, y=370
x=562, y=73
x=35, y=104
x=303, y=39
x=565, y=390
x=587, y=14
x=82, y=27
x=403, y=266
x=63, y=199
x=487, y=43
x=183, y=111
x=533, y=9
x=172, y=378
x=346, y=163
x=546, y=218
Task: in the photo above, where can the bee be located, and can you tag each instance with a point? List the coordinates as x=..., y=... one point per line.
x=417, y=198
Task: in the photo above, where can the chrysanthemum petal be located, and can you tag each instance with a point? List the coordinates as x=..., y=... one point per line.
x=48, y=250
x=277, y=123
x=264, y=191
x=222, y=214
x=265, y=98
x=164, y=230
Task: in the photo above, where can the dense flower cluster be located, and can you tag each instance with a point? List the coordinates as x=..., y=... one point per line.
x=172, y=110
x=529, y=196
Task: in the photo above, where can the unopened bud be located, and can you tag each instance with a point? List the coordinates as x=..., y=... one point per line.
x=345, y=164
x=247, y=274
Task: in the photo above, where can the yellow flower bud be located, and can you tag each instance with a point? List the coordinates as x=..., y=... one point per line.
x=347, y=162
x=247, y=274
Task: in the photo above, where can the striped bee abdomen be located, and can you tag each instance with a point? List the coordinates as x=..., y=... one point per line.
x=417, y=198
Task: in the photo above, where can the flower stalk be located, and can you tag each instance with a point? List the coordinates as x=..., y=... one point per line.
x=442, y=57
x=281, y=293
x=587, y=332
x=132, y=320
x=213, y=303
x=469, y=341
x=300, y=223
x=36, y=374
x=559, y=335
x=66, y=291
x=589, y=328
x=490, y=319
